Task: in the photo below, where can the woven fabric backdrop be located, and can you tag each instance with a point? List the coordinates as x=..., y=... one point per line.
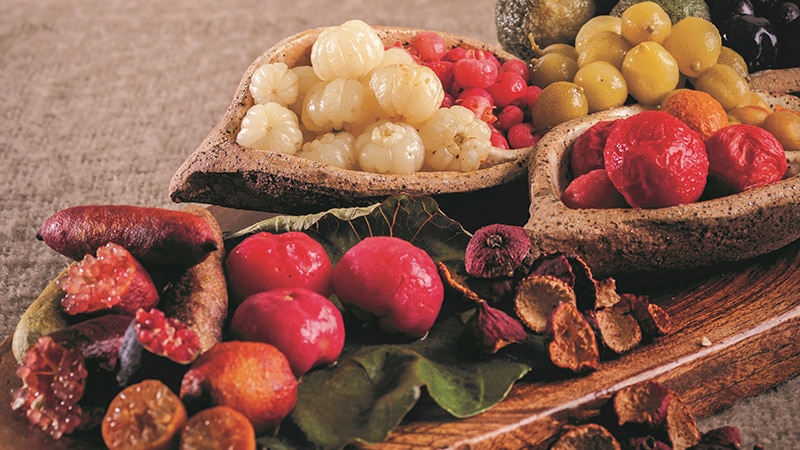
x=101, y=101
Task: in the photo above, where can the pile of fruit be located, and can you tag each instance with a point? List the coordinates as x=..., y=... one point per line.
x=401, y=108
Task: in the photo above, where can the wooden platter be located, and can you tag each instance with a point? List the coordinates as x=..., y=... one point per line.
x=734, y=337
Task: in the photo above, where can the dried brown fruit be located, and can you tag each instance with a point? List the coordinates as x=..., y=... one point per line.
x=616, y=328
x=491, y=329
x=681, y=425
x=497, y=250
x=606, y=293
x=555, y=265
x=646, y=443
x=537, y=296
x=571, y=269
x=571, y=342
x=655, y=322
x=725, y=437
x=455, y=282
x=586, y=436
x=645, y=403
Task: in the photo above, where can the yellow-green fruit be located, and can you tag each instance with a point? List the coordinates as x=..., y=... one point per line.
x=676, y=9
x=695, y=43
x=558, y=103
x=651, y=72
x=785, y=126
x=724, y=84
x=548, y=21
x=552, y=67
x=44, y=316
x=603, y=85
x=730, y=57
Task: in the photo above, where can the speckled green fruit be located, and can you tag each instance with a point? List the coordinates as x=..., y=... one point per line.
x=676, y=9
x=548, y=21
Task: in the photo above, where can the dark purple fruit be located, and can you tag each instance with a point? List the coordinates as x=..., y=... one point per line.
x=722, y=10
x=754, y=38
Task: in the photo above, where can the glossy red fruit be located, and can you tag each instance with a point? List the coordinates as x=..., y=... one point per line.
x=266, y=261
x=392, y=283
x=301, y=323
x=509, y=116
x=429, y=45
x=655, y=160
x=522, y=135
x=507, y=88
x=474, y=72
x=592, y=190
x=518, y=66
x=587, y=150
x=745, y=156
x=113, y=280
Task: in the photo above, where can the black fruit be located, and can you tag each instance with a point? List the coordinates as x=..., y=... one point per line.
x=754, y=38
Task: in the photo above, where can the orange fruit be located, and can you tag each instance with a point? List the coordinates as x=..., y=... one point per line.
x=143, y=416
x=253, y=378
x=697, y=109
x=218, y=427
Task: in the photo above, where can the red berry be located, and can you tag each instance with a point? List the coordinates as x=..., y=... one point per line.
x=473, y=72
x=745, y=156
x=474, y=91
x=443, y=70
x=447, y=101
x=498, y=139
x=517, y=66
x=592, y=190
x=509, y=116
x=484, y=55
x=455, y=54
x=482, y=107
x=508, y=87
x=429, y=45
x=656, y=160
x=113, y=280
x=523, y=135
x=526, y=101
x=587, y=151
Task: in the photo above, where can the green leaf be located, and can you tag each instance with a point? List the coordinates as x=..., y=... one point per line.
x=413, y=218
x=367, y=395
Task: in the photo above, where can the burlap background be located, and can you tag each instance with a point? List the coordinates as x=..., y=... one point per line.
x=100, y=102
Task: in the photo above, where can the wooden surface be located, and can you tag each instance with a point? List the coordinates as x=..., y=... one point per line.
x=749, y=313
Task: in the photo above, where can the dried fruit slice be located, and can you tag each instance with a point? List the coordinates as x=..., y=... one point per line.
x=643, y=403
x=144, y=416
x=491, y=329
x=218, y=427
x=112, y=280
x=681, y=425
x=537, y=297
x=654, y=321
x=617, y=329
x=571, y=343
x=589, y=435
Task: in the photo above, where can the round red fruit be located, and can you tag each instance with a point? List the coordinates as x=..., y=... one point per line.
x=429, y=45
x=518, y=66
x=473, y=72
x=745, y=156
x=266, y=261
x=507, y=88
x=509, y=116
x=301, y=323
x=392, y=283
x=655, y=160
x=592, y=190
x=523, y=135
x=587, y=151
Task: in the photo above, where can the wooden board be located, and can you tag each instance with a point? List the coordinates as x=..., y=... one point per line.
x=748, y=312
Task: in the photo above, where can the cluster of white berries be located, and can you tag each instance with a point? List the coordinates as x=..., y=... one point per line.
x=361, y=106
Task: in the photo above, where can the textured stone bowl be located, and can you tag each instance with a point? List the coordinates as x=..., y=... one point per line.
x=645, y=241
x=221, y=172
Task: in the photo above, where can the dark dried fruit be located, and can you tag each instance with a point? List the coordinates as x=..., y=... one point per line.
x=571, y=343
x=586, y=436
x=616, y=328
x=653, y=320
x=491, y=329
x=537, y=297
x=644, y=403
x=157, y=347
x=681, y=425
x=113, y=280
x=56, y=371
x=497, y=250
x=647, y=443
x=719, y=438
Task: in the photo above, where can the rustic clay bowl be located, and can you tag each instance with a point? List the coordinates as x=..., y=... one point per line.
x=222, y=172
x=617, y=242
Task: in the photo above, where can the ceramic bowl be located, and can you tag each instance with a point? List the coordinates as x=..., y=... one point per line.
x=623, y=242
x=222, y=172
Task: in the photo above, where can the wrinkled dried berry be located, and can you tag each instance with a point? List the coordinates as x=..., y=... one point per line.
x=497, y=250
x=491, y=329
